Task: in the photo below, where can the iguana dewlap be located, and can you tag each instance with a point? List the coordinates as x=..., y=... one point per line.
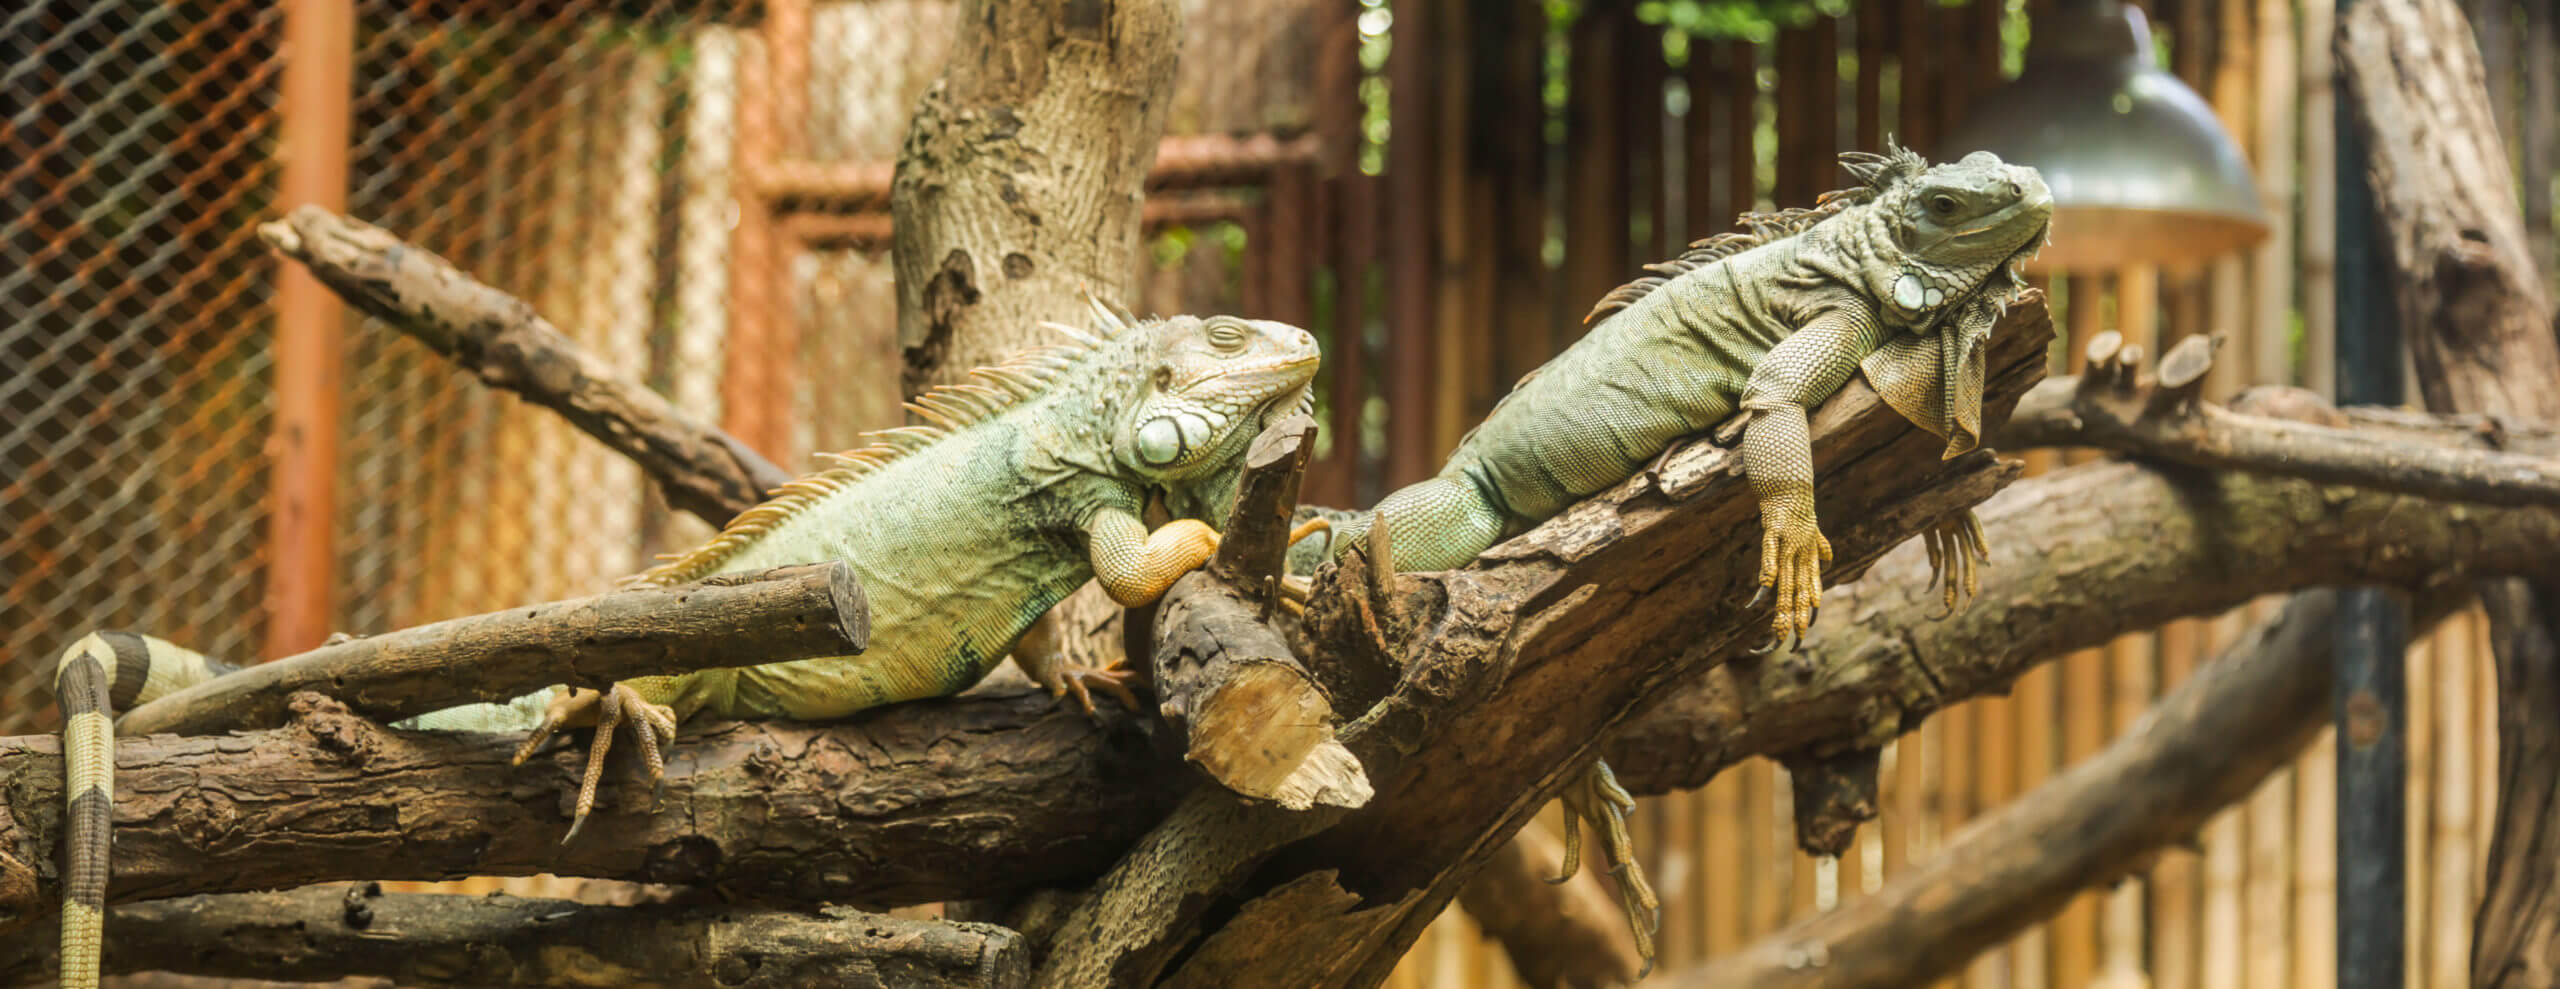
x=1900, y=278
x=1019, y=487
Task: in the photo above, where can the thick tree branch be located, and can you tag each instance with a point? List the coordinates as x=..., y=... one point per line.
x=1509, y=669
x=988, y=795
x=503, y=340
x=2078, y=557
x=1566, y=935
x=326, y=933
x=2205, y=745
x=769, y=616
x=916, y=803
x=2118, y=407
x=2478, y=318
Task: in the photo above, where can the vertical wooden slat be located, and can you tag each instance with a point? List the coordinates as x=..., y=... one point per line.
x=1868, y=129
x=1640, y=48
x=2273, y=159
x=1822, y=105
x=1462, y=213
x=1796, y=116
x=1526, y=313
x=2426, y=737
x=1597, y=197
x=319, y=42
x=1918, y=108
x=2173, y=886
x=1702, y=138
x=1350, y=231
x=2453, y=894
x=1410, y=244
x=2319, y=250
x=1742, y=127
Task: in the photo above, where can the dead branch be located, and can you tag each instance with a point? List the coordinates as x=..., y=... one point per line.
x=768, y=616
x=337, y=931
x=503, y=340
x=2117, y=406
x=2078, y=556
x=1509, y=669
x=2201, y=748
x=915, y=803
x=1252, y=716
x=2478, y=318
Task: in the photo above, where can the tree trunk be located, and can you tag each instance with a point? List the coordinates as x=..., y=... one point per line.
x=1019, y=188
x=2479, y=319
x=1021, y=176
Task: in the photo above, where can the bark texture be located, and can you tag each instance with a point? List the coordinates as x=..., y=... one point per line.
x=338, y=931
x=2478, y=317
x=1251, y=715
x=767, y=616
x=2078, y=556
x=1019, y=181
x=914, y=803
x=2204, y=746
x=500, y=338
x=1508, y=670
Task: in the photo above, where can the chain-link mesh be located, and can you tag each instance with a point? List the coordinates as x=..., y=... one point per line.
x=134, y=325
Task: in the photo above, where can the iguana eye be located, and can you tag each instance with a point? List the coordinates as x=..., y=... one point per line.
x=1942, y=204
x=1225, y=334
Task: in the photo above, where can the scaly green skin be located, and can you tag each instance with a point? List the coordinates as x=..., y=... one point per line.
x=1025, y=484
x=1901, y=278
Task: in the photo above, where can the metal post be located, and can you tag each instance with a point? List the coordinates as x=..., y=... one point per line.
x=319, y=70
x=2370, y=699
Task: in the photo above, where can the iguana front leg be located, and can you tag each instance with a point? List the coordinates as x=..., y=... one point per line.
x=1136, y=566
x=1777, y=451
x=653, y=728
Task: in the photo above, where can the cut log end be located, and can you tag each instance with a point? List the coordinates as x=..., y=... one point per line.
x=1266, y=731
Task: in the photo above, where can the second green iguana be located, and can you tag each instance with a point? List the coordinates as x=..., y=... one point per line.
x=1020, y=486
x=1900, y=277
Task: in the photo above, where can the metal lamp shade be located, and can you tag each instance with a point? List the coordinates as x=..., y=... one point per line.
x=2141, y=171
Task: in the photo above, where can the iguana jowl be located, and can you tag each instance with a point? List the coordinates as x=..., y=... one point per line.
x=1900, y=277
x=1020, y=486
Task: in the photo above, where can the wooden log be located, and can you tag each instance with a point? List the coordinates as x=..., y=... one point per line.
x=2204, y=747
x=916, y=803
x=507, y=344
x=2478, y=318
x=743, y=619
x=338, y=931
x=1253, y=718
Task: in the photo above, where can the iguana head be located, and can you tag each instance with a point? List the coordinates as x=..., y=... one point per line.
x=1211, y=383
x=1972, y=213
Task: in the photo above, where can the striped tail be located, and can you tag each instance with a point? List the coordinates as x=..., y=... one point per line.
x=101, y=673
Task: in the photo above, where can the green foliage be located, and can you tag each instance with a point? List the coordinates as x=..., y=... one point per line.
x=1754, y=21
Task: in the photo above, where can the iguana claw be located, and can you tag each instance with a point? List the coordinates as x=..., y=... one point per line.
x=653, y=727
x=1598, y=800
x=1793, y=552
x=1956, y=553
x=1113, y=678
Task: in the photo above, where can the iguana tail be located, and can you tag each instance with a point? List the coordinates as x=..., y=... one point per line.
x=98, y=675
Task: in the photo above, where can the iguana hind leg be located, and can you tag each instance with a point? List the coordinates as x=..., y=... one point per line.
x=653, y=728
x=1596, y=799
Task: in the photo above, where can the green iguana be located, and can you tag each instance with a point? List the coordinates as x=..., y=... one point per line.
x=1901, y=277
x=1021, y=486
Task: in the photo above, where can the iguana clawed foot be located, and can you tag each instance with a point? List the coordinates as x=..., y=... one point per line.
x=1956, y=553
x=653, y=726
x=1598, y=800
x=1113, y=678
x=1793, y=552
